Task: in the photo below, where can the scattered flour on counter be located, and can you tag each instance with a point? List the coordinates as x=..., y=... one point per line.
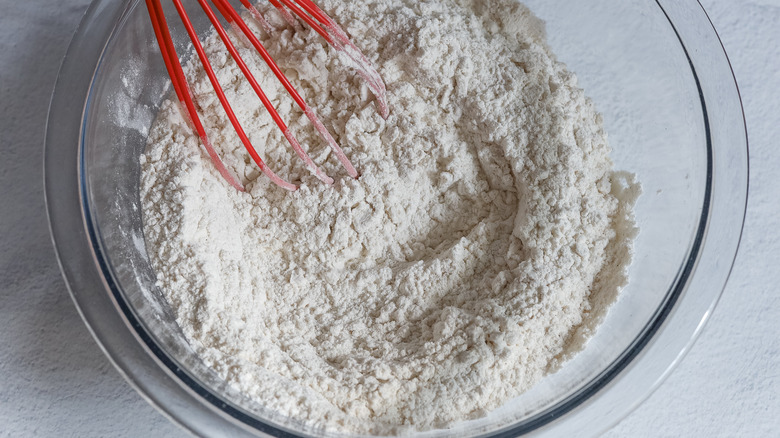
x=482, y=245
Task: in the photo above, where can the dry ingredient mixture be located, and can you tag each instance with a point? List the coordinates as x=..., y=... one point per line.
x=480, y=248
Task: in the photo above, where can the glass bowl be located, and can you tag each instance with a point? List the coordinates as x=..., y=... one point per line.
x=656, y=70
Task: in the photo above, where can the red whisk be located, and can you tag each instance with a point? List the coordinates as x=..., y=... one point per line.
x=311, y=15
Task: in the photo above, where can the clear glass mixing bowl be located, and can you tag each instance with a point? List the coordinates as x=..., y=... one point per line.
x=657, y=71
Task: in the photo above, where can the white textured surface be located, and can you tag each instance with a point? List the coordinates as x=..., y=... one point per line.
x=54, y=380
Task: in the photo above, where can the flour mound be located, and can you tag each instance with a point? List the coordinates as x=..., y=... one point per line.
x=480, y=247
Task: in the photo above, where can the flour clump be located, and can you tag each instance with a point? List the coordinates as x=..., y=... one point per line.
x=479, y=249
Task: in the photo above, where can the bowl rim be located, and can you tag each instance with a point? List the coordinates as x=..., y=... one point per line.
x=157, y=377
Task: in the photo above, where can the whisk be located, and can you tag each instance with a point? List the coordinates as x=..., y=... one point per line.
x=309, y=13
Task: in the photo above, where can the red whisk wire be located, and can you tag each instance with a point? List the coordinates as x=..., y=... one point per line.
x=223, y=100
x=222, y=11
x=321, y=129
x=337, y=38
x=179, y=82
x=258, y=17
x=305, y=17
x=233, y=16
x=285, y=13
x=314, y=10
x=259, y=91
x=307, y=11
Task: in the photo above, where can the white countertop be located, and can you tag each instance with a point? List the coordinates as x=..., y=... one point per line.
x=55, y=381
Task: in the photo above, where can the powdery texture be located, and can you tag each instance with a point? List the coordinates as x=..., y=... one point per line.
x=479, y=249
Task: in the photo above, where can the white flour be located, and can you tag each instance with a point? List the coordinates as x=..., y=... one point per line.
x=479, y=249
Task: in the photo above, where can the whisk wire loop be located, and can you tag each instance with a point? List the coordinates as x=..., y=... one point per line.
x=223, y=100
x=259, y=91
x=310, y=114
x=316, y=19
x=172, y=64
